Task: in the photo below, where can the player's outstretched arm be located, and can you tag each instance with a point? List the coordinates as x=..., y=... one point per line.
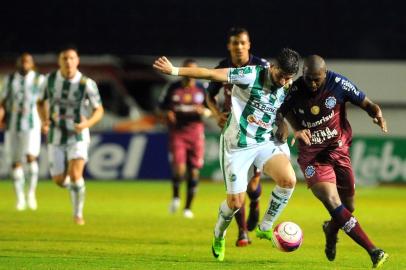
x=163, y=65
x=375, y=112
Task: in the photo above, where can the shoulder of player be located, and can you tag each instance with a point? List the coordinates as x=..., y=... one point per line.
x=334, y=79
x=255, y=60
x=225, y=63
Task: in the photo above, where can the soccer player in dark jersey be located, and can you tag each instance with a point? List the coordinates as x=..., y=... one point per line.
x=315, y=109
x=183, y=105
x=238, y=44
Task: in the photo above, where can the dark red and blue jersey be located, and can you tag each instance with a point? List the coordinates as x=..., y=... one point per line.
x=215, y=87
x=183, y=101
x=323, y=112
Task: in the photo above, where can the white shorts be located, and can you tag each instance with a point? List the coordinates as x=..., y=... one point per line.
x=19, y=144
x=235, y=163
x=60, y=155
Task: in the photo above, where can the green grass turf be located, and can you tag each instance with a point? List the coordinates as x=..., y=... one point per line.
x=129, y=227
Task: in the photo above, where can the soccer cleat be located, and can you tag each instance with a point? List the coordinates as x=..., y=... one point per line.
x=32, y=202
x=253, y=216
x=187, y=213
x=265, y=234
x=243, y=239
x=378, y=257
x=331, y=242
x=79, y=221
x=21, y=205
x=174, y=205
x=218, y=248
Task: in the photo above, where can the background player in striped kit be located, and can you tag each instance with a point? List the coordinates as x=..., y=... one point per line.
x=238, y=45
x=22, y=136
x=248, y=136
x=65, y=98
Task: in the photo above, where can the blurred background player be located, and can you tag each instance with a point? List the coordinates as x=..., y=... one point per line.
x=248, y=137
x=23, y=130
x=318, y=115
x=63, y=103
x=238, y=45
x=183, y=107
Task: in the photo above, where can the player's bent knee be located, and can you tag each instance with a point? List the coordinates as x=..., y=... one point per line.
x=286, y=182
x=59, y=180
x=235, y=202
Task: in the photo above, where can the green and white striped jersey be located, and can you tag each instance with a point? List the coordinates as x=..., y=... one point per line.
x=255, y=100
x=69, y=100
x=19, y=95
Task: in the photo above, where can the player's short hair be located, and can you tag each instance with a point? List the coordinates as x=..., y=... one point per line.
x=235, y=31
x=67, y=47
x=288, y=61
x=188, y=61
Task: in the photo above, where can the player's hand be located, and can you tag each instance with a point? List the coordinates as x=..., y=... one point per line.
x=282, y=132
x=380, y=121
x=162, y=64
x=171, y=116
x=45, y=128
x=303, y=135
x=82, y=125
x=221, y=119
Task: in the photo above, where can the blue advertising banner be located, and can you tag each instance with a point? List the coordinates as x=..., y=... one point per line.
x=131, y=156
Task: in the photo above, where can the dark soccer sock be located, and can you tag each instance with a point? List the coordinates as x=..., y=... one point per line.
x=191, y=191
x=175, y=186
x=350, y=226
x=240, y=219
x=254, y=196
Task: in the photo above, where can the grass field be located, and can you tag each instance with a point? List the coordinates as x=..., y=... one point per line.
x=129, y=227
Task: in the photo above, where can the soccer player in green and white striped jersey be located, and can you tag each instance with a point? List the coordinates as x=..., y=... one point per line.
x=22, y=136
x=62, y=105
x=248, y=137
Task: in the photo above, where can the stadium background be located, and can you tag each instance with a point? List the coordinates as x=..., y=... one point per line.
x=363, y=40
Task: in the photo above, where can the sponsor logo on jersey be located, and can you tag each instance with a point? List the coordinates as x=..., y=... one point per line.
x=310, y=171
x=318, y=122
x=253, y=120
x=315, y=110
x=337, y=79
x=301, y=111
x=233, y=177
x=187, y=98
x=198, y=97
x=348, y=86
x=330, y=102
x=321, y=135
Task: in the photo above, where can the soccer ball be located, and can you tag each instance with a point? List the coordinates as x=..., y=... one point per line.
x=287, y=236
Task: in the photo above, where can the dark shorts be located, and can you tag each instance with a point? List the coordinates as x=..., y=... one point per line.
x=330, y=166
x=187, y=147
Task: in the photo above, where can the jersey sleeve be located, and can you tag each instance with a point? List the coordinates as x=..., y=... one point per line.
x=214, y=88
x=92, y=92
x=4, y=89
x=348, y=90
x=287, y=104
x=242, y=76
